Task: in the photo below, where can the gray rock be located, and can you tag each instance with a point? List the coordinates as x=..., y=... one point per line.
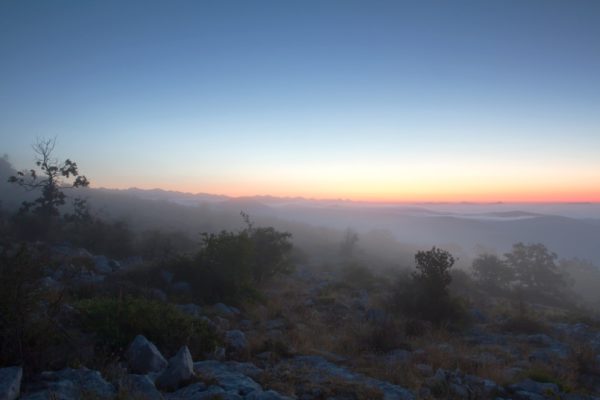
x=512, y=373
x=235, y=341
x=424, y=392
x=278, y=323
x=484, y=358
x=399, y=356
x=158, y=294
x=166, y=276
x=191, y=392
x=143, y=356
x=573, y=396
x=50, y=283
x=376, y=316
x=320, y=371
x=222, y=323
x=441, y=377
x=70, y=384
x=193, y=310
x=181, y=287
x=539, y=339
x=483, y=338
x=225, y=311
x=131, y=262
x=478, y=316
x=219, y=353
x=361, y=302
x=232, y=376
x=179, y=371
x=424, y=369
x=102, y=265
x=266, y=395
x=10, y=382
x=209, y=322
x=531, y=386
x=61, y=390
x=265, y=356
x=445, y=347
x=140, y=387
x=246, y=324
x=460, y=391
x=199, y=391
x=522, y=395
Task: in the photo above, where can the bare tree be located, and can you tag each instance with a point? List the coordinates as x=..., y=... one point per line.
x=50, y=177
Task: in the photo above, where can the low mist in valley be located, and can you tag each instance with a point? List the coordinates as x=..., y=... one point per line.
x=387, y=235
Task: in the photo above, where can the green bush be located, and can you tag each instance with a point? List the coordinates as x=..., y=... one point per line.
x=29, y=328
x=229, y=267
x=425, y=296
x=116, y=322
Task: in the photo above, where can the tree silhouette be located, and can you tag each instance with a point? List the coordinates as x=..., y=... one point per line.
x=433, y=270
x=348, y=244
x=427, y=296
x=492, y=272
x=51, y=178
x=536, y=270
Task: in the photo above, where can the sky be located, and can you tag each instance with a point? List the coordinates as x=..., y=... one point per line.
x=364, y=100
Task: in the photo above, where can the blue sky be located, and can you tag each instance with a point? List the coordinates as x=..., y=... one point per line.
x=373, y=99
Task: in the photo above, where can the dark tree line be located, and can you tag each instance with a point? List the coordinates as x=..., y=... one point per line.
x=529, y=268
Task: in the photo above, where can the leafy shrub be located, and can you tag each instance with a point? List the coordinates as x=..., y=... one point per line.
x=29, y=329
x=230, y=265
x=117, y=321
x=112, y=238
x=493, y=273
x=425, y=295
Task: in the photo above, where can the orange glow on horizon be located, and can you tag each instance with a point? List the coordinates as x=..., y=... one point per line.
x=375, y=194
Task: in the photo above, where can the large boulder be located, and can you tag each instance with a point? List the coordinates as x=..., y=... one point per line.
x=143, y=356
x=179, y=371
x=140, y=387
x=10, y=382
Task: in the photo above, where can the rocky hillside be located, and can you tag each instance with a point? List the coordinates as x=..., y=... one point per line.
x=314, y=334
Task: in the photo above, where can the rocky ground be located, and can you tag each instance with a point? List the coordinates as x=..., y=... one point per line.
x=316, y=336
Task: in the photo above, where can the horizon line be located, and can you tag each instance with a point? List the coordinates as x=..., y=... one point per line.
x=361, y=201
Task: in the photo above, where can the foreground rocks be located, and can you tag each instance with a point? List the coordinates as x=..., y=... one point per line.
x=179, y=371
x=10, y=382
x=317, y=371
x=70, y=384
x=143, y=356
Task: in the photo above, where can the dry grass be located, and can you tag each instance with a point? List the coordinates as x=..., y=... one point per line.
x=299, y=380
x=323, y=329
